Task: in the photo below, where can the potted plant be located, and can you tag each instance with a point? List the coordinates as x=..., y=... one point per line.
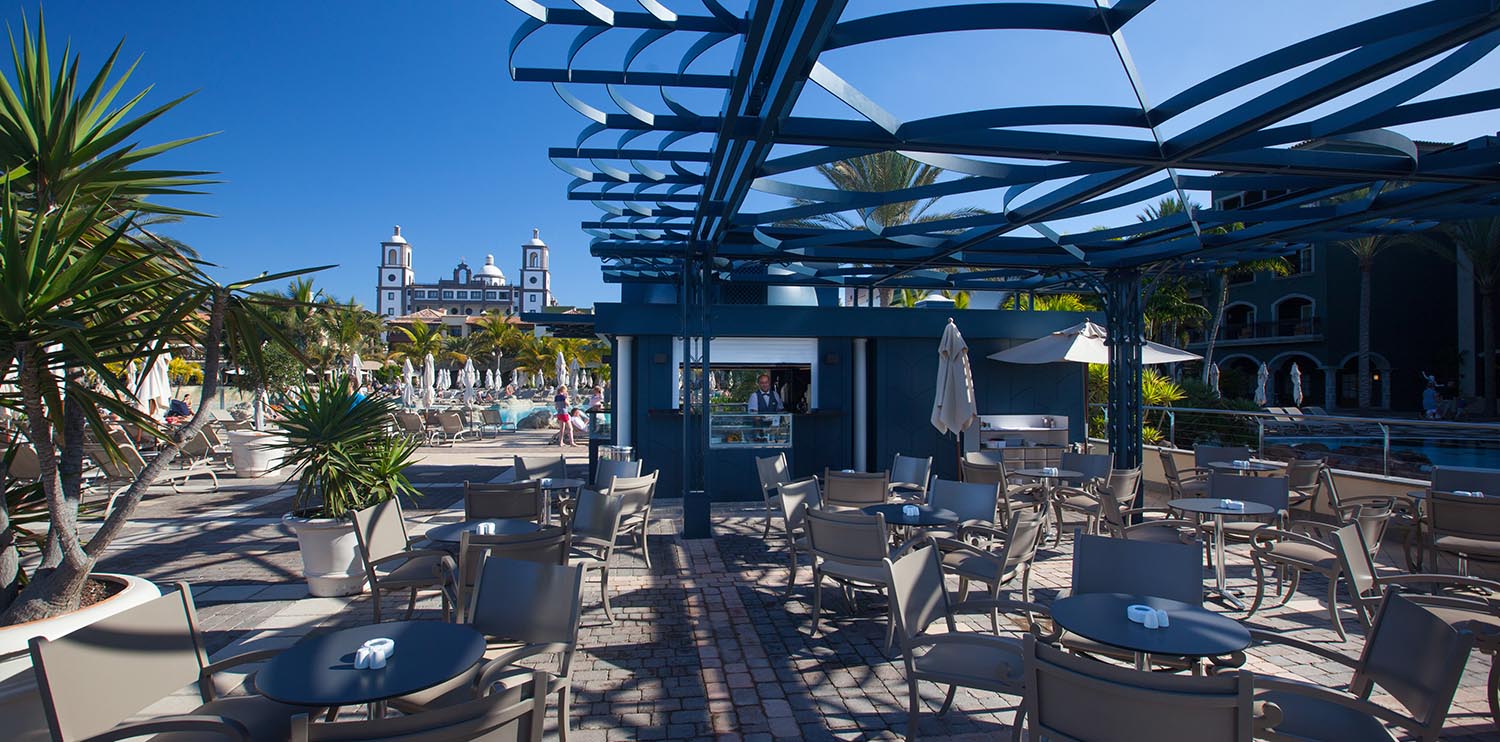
x=345, y=457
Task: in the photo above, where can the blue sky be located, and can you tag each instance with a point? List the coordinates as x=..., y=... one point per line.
x=341, y=119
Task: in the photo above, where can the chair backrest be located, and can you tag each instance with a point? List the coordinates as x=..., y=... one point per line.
x=635, y=494
x=918, y=595
x=1123, y=485
x=605, y=473
x=1357, y=562
x=911, y=470
x=489, y=416
x=796, y=498
x=982, y=472
x=25, y=464
x=548, y=546
x=97, y=676
x=773, y=472
x=854, y=489
x=1095, y=466
x=1466, y=479
x=515, y=716
x=1116, y=565
x=596, y=516
x=381, y=530
x=1305, y=475
x=1415, y=656
x=969, y=500
x=525, y=601
x=1079, y=698
x=1373, y=516
x=1169, y=467
x=1023, y=536
x=541, y=467
x=451, y=422
x=1269, y=491
x=850, y=537
x=1205, y=455
x=523, y=500
x=1463, y=516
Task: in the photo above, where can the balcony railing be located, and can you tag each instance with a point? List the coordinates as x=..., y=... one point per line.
x=1281, y=328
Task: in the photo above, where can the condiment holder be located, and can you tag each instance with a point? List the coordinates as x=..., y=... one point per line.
x=1240, y=464
x=485, y=529
x=1467, y=493
x=372, y=655
x=1147, y=616
x=910, y=511
x=1049, y=471
x=1231, y=505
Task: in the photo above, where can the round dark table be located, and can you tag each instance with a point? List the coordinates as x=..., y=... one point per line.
x=453, y=532
x=319, y=670
x=1211, y=506
x=1192, y=631
x=1250, y=467
x=927, y=515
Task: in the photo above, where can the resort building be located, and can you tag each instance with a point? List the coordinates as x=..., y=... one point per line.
x=470, y=292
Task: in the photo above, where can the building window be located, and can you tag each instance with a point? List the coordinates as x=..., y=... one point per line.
x=390, y=257
x=531, y=280
x=535, y=260
x=390, y=296
x=390, y=311
x=461, y=294
x=452, y=310
x=1300, y=262
x=447, y=294
x=468, y=311
x=492, y=295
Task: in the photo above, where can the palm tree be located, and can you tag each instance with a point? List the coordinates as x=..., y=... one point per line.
x=1365, y=250
x=1478, y=240
x=1051, y=303
x=882, y=172
x=421, y=339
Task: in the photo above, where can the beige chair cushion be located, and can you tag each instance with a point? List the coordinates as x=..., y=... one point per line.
x=974, y=567
x=1467, y=546
x=1304, y=554
x=421, y=570
x=266, y=719
x=971, y=664
x=1310, y=718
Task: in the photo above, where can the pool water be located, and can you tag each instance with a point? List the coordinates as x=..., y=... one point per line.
x=1440, y=451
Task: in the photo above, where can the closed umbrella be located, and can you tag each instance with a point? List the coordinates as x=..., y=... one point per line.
x=1261, y=377
x=562, y=369
x=1213, y=379
x=489, y=379
x=1296, y=385
x=573, y=373
x=429, y=382
x=355, y=368
x=953, y=404
x=133, y=383
x=155, y=386
x=468, y=378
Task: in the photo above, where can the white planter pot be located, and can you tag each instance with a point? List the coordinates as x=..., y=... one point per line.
x=330, y=555
x=21, y=715
x=254, y=452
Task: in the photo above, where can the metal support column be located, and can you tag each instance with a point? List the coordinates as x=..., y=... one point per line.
x=1126, y=328
x=696, y=522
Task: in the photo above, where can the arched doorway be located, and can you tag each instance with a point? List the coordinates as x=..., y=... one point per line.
x=1313, y=390
x=1294, y=316
x=1239, y=321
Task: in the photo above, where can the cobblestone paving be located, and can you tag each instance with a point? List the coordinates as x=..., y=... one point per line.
x=705, y=645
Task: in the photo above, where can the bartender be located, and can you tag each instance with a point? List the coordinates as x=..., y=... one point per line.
x=764, y=400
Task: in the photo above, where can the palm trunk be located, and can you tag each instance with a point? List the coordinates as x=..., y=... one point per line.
x=1366, y=388
x=1213, y=333
x=1487, y=308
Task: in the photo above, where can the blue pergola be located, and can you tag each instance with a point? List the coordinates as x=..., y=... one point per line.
x=673, y=205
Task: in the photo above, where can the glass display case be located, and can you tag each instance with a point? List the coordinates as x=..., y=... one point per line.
x=730, y=430
x=601, y=424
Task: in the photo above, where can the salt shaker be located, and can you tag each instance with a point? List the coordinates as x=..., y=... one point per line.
x=1151, y=621
x=362, y=658
x=1161, y=618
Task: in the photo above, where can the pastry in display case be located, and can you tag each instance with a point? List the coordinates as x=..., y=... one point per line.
x=738, y=430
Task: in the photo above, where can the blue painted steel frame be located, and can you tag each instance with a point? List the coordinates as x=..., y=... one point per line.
x=672, y=204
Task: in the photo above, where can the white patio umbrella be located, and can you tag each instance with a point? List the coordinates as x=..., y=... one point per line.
x=1213, y=379
x=429, y=382
x=953, y=404
x=1084, y=343
x=489, y=380
x=1261, y=376
x=155, y=385
x=133, y=383
x=562, y=369
x=573, y=373
x=468, y=379
x=1296, y=385
x=355, y=367
x=408, y=391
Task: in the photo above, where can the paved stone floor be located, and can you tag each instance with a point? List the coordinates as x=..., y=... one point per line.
x=703, y=646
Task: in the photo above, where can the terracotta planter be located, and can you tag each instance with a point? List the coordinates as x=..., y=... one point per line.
x=21, y=715
x=254, y=453
x=330, y=555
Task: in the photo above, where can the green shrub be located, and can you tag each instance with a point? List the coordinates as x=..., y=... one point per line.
x=342, y=449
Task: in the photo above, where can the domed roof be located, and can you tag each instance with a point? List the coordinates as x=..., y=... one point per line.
x=397, y=238
x=490, y=270
x=536, y=239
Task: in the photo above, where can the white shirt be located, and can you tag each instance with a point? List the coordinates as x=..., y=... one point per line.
x=773, y=399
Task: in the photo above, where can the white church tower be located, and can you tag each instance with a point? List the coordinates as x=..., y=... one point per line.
x=395, y=276
x=536, y=280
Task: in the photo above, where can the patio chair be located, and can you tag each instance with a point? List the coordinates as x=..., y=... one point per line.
x=1411, y=653
x=516, y=715
x=1005, y=556
x=195, y=458
x=1205, y=455
x=1304, y=481
x=1164, y=570
x=1303, y=547
x=541, y=467
x=523, y=500
x=489, y=419
x=1269, y=491
x=411, y=425
x=391, y=564
x=94, y=678
x=548, y=546
x=854, y=490
x=975, y=504
x=954, y=658
x=451, y=427
x=594, y=527
x=1182, y=483
x=1463, y=526
x=1466, y=479
x=1072, y=698
x=909, y=475
x=796, y=497
x=773, y=472
x=848, y=548
x=635, y=511
x=1084, y=500
x=1115, y=515
x=985, y=470
x=525, y=610
x=607, y=471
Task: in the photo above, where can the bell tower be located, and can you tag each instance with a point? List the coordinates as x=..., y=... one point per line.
x=395, y=276
x=536, y=279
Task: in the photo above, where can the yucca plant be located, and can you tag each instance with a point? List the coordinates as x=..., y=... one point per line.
x=342, y=450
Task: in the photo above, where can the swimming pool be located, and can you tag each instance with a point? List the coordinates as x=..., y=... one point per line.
x=1471, y=451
